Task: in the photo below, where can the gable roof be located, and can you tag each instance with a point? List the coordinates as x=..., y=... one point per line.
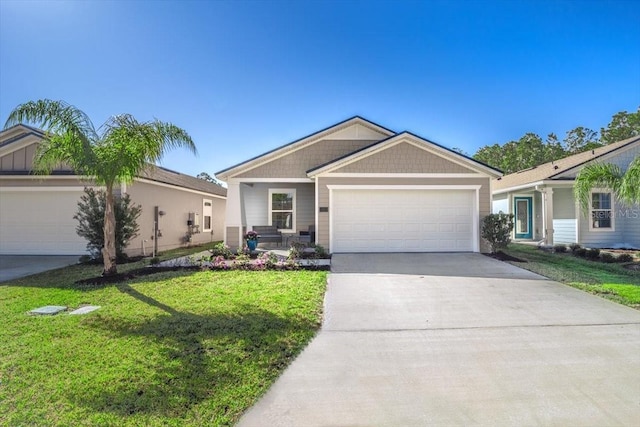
x=302, y=142
x=405, y=135
x=152, y=173
x=26, y=131
x=555, y=168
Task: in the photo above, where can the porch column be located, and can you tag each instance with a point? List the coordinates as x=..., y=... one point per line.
x=233, y=216
x=547, y=212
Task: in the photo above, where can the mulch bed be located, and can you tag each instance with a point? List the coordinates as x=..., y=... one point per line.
x=122, y=277
x=501, y=256
x=146, y=271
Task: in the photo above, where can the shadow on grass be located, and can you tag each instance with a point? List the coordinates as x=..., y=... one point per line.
x=203, y=357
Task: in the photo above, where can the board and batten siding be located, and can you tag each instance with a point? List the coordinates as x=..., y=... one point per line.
x=255, y=204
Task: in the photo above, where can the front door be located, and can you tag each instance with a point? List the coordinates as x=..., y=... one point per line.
x=523, y=210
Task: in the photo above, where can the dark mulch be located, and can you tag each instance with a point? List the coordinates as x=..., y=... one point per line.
x=146, y=271
x=121, y=277
x=501, y=256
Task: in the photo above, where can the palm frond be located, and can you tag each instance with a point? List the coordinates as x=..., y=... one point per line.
x=69, y=134
x=596, y=175
x=630, y=187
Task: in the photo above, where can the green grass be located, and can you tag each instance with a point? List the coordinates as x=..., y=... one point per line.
x=611, y=281
x=175, y=348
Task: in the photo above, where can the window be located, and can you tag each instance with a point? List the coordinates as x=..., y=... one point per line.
x=282, y=208
x=601, y=211
x=207, y=213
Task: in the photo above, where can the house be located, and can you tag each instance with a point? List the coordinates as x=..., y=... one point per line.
x=362, y=188
x=36, y=211
x=541, y=198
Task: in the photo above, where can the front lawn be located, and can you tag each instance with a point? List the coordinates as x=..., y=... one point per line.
x=612, y=281
x=174, y=348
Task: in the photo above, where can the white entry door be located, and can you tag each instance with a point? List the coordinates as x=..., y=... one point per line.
x=392, y=220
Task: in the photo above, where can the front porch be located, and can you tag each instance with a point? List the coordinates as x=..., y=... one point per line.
x=287, y=206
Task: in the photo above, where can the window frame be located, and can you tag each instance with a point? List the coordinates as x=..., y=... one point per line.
x=273, y=191
x=611, y=209
x=206, y=208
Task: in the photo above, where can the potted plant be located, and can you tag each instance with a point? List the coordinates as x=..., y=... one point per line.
x=252, y=240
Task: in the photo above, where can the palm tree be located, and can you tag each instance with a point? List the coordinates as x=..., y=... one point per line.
x=115, y=153
x=624, y=185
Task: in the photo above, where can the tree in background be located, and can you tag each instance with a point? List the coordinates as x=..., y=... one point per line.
x=115, y=153
x=530, y=150
x=623, y=125
x=90, y=218
x=581, y=139
x=205, y=176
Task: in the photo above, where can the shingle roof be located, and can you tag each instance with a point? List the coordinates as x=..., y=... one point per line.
x=153, y=173
x=557, y=167
x=167, y=176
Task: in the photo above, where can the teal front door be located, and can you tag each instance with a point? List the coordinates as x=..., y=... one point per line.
x=523, y=211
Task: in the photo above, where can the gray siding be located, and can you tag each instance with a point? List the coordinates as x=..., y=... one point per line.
x=627, y=230
x=564, y=231
x=564, y=206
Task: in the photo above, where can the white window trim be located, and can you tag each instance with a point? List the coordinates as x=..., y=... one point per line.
x=204, y=214
x=293, y=214
x=613, y=214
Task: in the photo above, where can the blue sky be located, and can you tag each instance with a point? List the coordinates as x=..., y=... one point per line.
x=243, y=77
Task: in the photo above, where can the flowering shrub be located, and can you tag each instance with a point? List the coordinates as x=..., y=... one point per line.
x=220, y=249
x=251, y=235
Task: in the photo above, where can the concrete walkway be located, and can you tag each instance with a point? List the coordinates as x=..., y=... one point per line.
x=16, y=266
x=458, y=339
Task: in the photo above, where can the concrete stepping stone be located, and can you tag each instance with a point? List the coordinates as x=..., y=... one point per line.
x=48, y=310
x=86, y=309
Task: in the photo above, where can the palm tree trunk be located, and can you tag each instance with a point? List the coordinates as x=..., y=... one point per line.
x=109, y=248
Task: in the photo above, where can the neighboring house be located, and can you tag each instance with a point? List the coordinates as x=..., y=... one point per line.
x=363, y=188
x=36, y=211
x=541, y=198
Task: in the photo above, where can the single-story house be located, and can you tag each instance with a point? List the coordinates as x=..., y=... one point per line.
x=541, y=198
x=36, y=211
x=362, y=188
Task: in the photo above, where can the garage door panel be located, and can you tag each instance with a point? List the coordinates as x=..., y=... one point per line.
x=402, y=220
x=40, y=223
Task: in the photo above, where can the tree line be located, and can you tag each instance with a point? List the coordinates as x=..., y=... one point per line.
x=531, y=150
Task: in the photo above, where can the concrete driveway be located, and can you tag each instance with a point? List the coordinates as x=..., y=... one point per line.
x=458, y=339
x=16, y=266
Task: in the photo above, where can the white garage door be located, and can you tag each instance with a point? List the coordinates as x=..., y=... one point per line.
x=403, y=220
x=39, y=223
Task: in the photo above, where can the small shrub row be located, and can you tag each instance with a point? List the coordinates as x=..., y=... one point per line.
x=594, y=254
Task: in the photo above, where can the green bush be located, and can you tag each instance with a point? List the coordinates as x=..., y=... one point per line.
x=574, y=247
x=580, y=252
x=90, y=218
x=496, y=230
x=155, y=260
x=592, y=254
x=220, y=249
x=560, y=248
x=607, y=257
x=624, y=258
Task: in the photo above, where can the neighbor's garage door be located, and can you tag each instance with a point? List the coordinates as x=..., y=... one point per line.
x=403, y=220
x=39, y=223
